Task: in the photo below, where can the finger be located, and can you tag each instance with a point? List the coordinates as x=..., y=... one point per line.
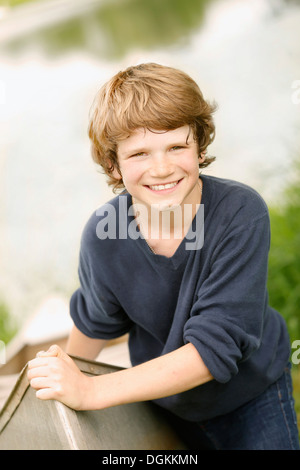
x=45, y=394
x=40, y=382
x=43, y=361
x=53, y=351
x=42, y=371
x=40, y=353
x=56, y=351
x=39, y=361
x=35, y=363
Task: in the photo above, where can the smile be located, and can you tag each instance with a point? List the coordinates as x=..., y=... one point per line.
x=161, y=187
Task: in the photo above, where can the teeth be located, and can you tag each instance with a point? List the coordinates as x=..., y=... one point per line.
x=159, y=187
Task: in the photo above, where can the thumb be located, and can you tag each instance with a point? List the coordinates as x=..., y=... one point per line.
x=56, y=351
x=53, y=351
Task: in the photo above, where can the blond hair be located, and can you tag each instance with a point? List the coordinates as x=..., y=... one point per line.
x=149, y=96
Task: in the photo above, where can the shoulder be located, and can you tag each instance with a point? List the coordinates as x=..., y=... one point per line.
x=231, y=207
x=233, y=196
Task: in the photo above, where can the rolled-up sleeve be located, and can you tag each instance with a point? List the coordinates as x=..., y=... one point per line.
x=97, y=321
x=227, y=317
x=94, y=308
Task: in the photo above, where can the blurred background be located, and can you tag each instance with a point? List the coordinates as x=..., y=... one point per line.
x=55, y=55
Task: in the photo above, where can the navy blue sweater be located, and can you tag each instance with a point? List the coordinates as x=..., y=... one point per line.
x=214, y=297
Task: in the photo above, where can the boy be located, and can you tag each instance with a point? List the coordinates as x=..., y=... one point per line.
x=204, y=343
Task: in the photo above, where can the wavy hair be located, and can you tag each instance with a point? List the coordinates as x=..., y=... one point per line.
x=150, y=96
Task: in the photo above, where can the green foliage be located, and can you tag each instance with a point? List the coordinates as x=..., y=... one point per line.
x=148, y=23
x=284, y=260
x=112, y=29
x=8, y=327
x=284, y=267
x=13, y=3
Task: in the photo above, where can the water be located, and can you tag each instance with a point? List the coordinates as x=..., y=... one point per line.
x=243, y=53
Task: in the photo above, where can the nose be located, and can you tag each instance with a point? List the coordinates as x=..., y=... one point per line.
x=161, y=166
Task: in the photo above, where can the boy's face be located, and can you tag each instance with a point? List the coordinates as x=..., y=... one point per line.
x=160, y=167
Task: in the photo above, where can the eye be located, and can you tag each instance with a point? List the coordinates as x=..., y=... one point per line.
x=176, y=147
x=139, y=154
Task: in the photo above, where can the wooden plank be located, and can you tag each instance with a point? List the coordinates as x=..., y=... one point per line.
x=116, y=351
x=7, y=383
x=28, y=423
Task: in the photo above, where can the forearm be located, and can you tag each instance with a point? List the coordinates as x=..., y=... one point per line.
x=55, y=376
x=83, y=346
x=167, y=375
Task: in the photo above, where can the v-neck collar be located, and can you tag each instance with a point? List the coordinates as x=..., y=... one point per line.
x=181, y=254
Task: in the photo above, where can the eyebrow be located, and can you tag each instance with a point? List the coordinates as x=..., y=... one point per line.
x=173, y=143
x=136, y=150
x=133, y=151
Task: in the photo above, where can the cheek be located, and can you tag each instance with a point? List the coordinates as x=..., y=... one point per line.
x=192, y=167
x=131, y=173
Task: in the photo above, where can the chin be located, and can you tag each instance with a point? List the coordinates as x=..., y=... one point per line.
x=167, y=206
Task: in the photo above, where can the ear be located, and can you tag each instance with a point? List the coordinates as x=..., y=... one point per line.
x=202, y=156
x=116, y=173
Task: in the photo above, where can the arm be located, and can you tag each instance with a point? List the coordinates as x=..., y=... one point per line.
x=83, y=346
x=55, y=376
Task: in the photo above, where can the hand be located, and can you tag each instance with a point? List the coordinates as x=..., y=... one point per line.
x=55, y=376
